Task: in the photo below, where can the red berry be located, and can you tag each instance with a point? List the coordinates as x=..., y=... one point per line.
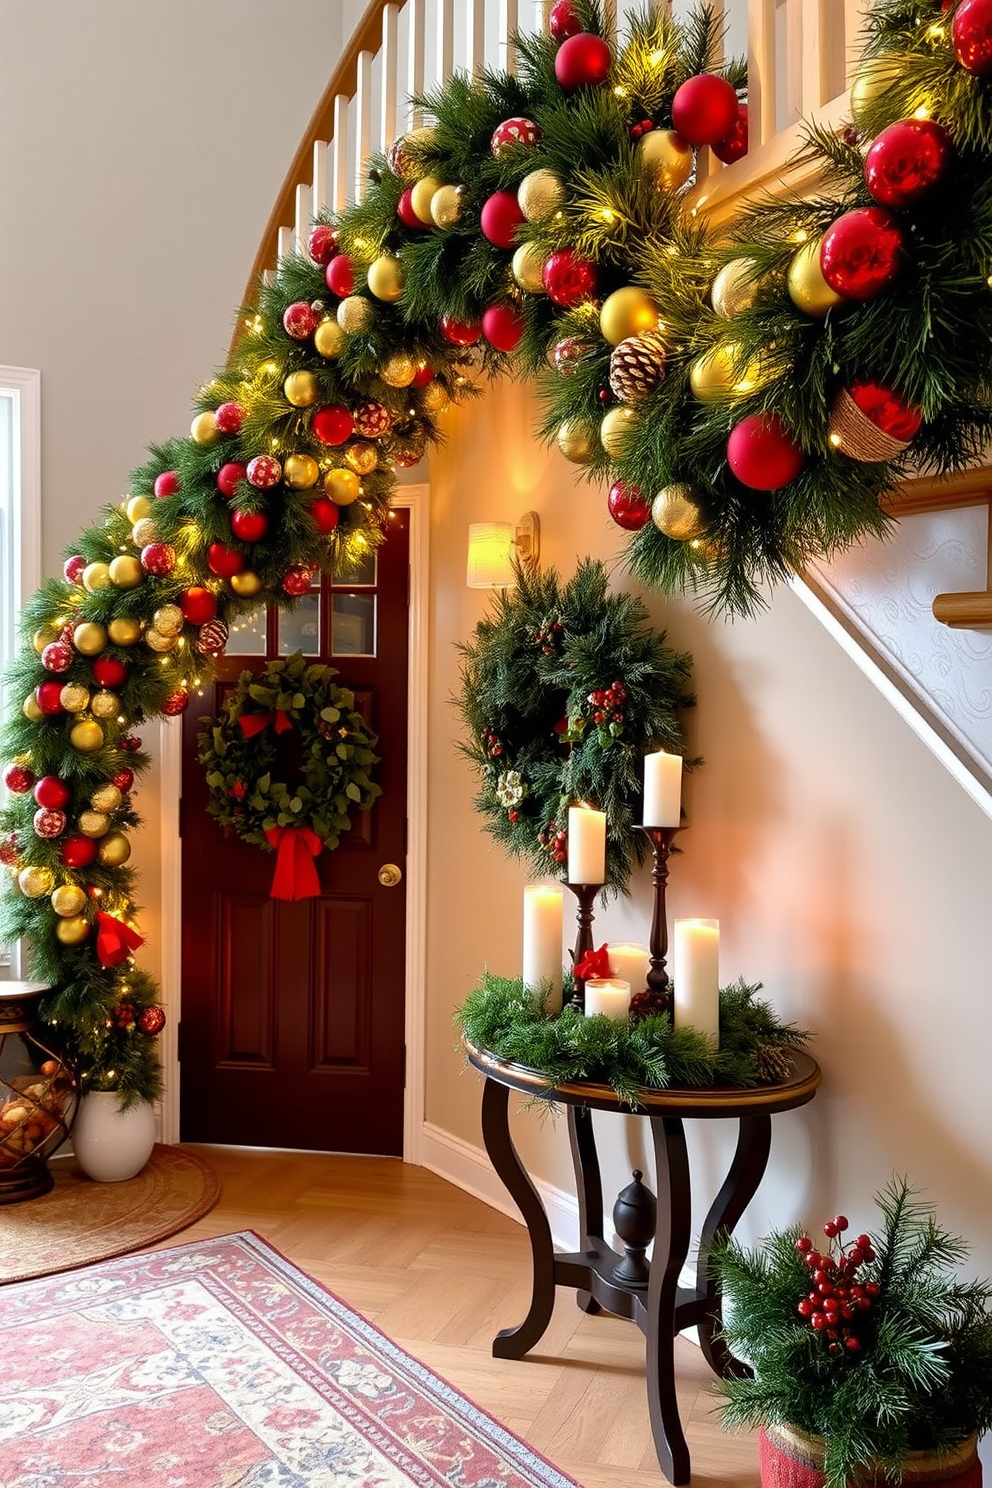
x=819, y=1321
x=805, y=1308
x=841, y=1222
x=872, y=1288
x=865, y=1242
x=830, y=1229
x=852, y=1344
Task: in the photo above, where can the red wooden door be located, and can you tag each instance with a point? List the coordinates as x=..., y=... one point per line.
x=292, y=1031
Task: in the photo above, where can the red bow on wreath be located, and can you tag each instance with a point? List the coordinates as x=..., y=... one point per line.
x=114, y=940
x=254, y=723
x=295, y=876
x=593, y=964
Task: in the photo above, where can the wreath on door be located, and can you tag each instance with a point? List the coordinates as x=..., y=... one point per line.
x=294, y=803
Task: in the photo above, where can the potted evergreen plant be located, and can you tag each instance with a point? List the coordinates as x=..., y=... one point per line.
x=871, y=1360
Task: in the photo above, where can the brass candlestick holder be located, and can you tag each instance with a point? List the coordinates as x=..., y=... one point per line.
x=586, y=895
x=661, y=839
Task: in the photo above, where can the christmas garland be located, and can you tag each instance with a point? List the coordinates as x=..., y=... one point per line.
x=563, y=690
x=644, y=1053
x=311, y=808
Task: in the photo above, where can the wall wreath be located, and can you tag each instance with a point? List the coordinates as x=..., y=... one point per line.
x=292, y=802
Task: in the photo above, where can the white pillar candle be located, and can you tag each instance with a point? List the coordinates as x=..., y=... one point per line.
x=630, y=963
x=543, y=921
x=696, y=977
x=662, y=790
x=607, y=995
x=586, y=845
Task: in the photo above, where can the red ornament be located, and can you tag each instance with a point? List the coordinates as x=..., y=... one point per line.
x=166, y=484
x=762, y=453
x=229, y=475
x=158, y=558
x=734, y=147
x=971, y=31
x=340, y=275
x=297, y=581
x=151, y=1020
x=888, y=411
x=333, y=424
x=263, y=472
x=109, y=672
x=299, y=320
x=405, y=212
x=73, y=568
x=569, y=279
x=582, y=61
x=372, y=420
x=322, y=244
x=57, y=657
x=52, y=792
x=705, y=109
x=123, y=779
x=325, y=514
x=78, y=852
x=502, y=326
x=566, y=355
x=500, y=218
x=423, y=375
x=177, y=702
x=460, y=332
x=198, y=605
x=123, y=1014
x=563, y=21
x=212, y=638
x=514, y=132
x=861, y=253
x=48, y=696
x=9, y=854
x=906, y=160
x=628, y=506
x=224, y=561
x=249, y=526
x=49, y=824
x=229, y=417
x=129, y=744
x=18, y=779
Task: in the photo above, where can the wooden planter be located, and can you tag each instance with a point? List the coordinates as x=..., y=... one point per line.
x=792, y=1459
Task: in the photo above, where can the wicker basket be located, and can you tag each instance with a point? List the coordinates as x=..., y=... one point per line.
x=792, y=1459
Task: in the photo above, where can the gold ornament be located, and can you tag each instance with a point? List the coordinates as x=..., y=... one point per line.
x=399, y=152
x=300, y=389
x=30, y=709
x=35, y=882
x=300, y=472
x=89, y=638
x=616, y=429
x=446, y=205
x=126, y=571
x=385, y=277
x=114, y=850
x=74, y=697
x=245, y=584
x=540, y=194
x=420, y=198
x=94, y=823
x=576, y=443
x=96, y=576
x=157, y=641
x=72, y=931
x=873, y=78
x=68, y=899
x=43, y=637
x=86, y=736
x=108, y=797
x=434, y=397
x=329, y=339
x=718, y=374
x=627, y=312
x=144, y=531
x=168, y=619
x=808, y=290
x=734, y=289
x=666, y=158
x=105, y=704
x=675, y=512
x=362, y=457
x=399, y=371
x=203, y=429
x=353, y=313
x=528, y=268
x=342, y=486
x=124, y=632
x=138, y=507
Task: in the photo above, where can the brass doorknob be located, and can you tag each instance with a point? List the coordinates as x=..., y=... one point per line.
x=390, y=875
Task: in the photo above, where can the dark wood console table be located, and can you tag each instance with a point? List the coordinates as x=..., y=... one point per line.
x=659, y=1306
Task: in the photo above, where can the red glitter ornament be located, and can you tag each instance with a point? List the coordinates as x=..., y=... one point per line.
x=460, y=332
x=151, y=1020
x=158, y=558
x=129, y=744
x=52, y=792
x=502, y=326
x=49, y=824
x=263, y=472
x=372, y=420
x=514, y=132
x=224, y=561
x=340, y=275
x=763, y=454
x=325, y=514
x=906, y=160
x=198, y=605
x=628, y=506
x=249, y=526
x=229, y=417
x=423, y=375
x=57, y=657
x=18, y=779
x=166, y=484
x=123, y=779
x=500, y=217
x=705, y=109
x=109, y=671
x=9, y=854
x=78, y=852
x=734, y=147
x=582, y=61
x=229, y=475
x=861, y=253
x=322, y=244
x=177, y=702
x=405, y=212
x=297, y=581
x=73, y=567
x=971, y=31
x=333, y=424
x=48, y=696
x=299, y=320
x=563, y=20
x=569, y=279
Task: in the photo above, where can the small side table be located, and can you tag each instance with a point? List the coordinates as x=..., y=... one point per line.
x=653, y=1300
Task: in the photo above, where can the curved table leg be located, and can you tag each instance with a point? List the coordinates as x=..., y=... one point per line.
x=754, y=1140
x=588, y=1186
x=671, y=1247
x=513, y=1343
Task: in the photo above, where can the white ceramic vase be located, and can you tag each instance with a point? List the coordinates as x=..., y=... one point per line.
x=111, y=1144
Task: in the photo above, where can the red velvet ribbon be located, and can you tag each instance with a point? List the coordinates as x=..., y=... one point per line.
x=254, y=723
x=593, y=964
x=296, y=875
x=114, y=940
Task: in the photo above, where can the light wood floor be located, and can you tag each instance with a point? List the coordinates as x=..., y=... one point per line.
x=441, y=1273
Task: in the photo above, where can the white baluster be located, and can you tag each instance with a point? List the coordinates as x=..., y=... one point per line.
x=389, y=73
x=319, y=196
x=302, y=218
x=813, y=86
x=532, y=17
x=362, y=112
x=854, y=38
x=444, y=40
x=416, y=20
x=340, y=179
x=286, y=245
x=507, y=22
x=475, y=36
x=761, y=70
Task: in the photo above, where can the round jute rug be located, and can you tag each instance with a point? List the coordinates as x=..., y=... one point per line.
x=80, y=1221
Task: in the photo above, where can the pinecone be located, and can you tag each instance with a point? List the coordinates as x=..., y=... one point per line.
x=643, y=1003
x=774, y=1063
x=637, y=365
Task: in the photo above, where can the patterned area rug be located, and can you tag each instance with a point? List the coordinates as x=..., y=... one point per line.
x=80, y=1221
x=219, y=1365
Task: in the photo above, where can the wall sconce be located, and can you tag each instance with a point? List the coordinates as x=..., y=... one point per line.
x=493, y=546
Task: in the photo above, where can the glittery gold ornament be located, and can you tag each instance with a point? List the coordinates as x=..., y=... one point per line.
x=30, y=709
x=105, y=704
x=540, y=194
x=808, y=289
x=35, y=882
x=144, y=531
x=300, y=472
x=329, y=339
x=155, y=640
x=362, y=457
x=168, y=619
x=421, y=194
x=74, y=697
x=342, y=486
x=126, y=571
x=576, y=443
x=96, y=576
x=627, y=312
x=616, y=429
x=300, y=389
x=434, y=397
x=203, y=429
x=666, y=158
x=73, y=930
x=138, y=507
x=527, y=266
x=675, y=511
x=353, y=314
x=873, y=78
x=402, y=154
x=385, y=277
x=107, y=797
x=400, y=370
x=94, y=823
x=718, y=374
x=124, y=632
x=114, y=850
x=68, y=899
x=86, y=736
x=446, y=205
x=734, y=289
x=245, y=584
x=89, y=638
x=43, y=636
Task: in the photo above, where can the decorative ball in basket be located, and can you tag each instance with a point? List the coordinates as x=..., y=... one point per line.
x=37, y=1095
